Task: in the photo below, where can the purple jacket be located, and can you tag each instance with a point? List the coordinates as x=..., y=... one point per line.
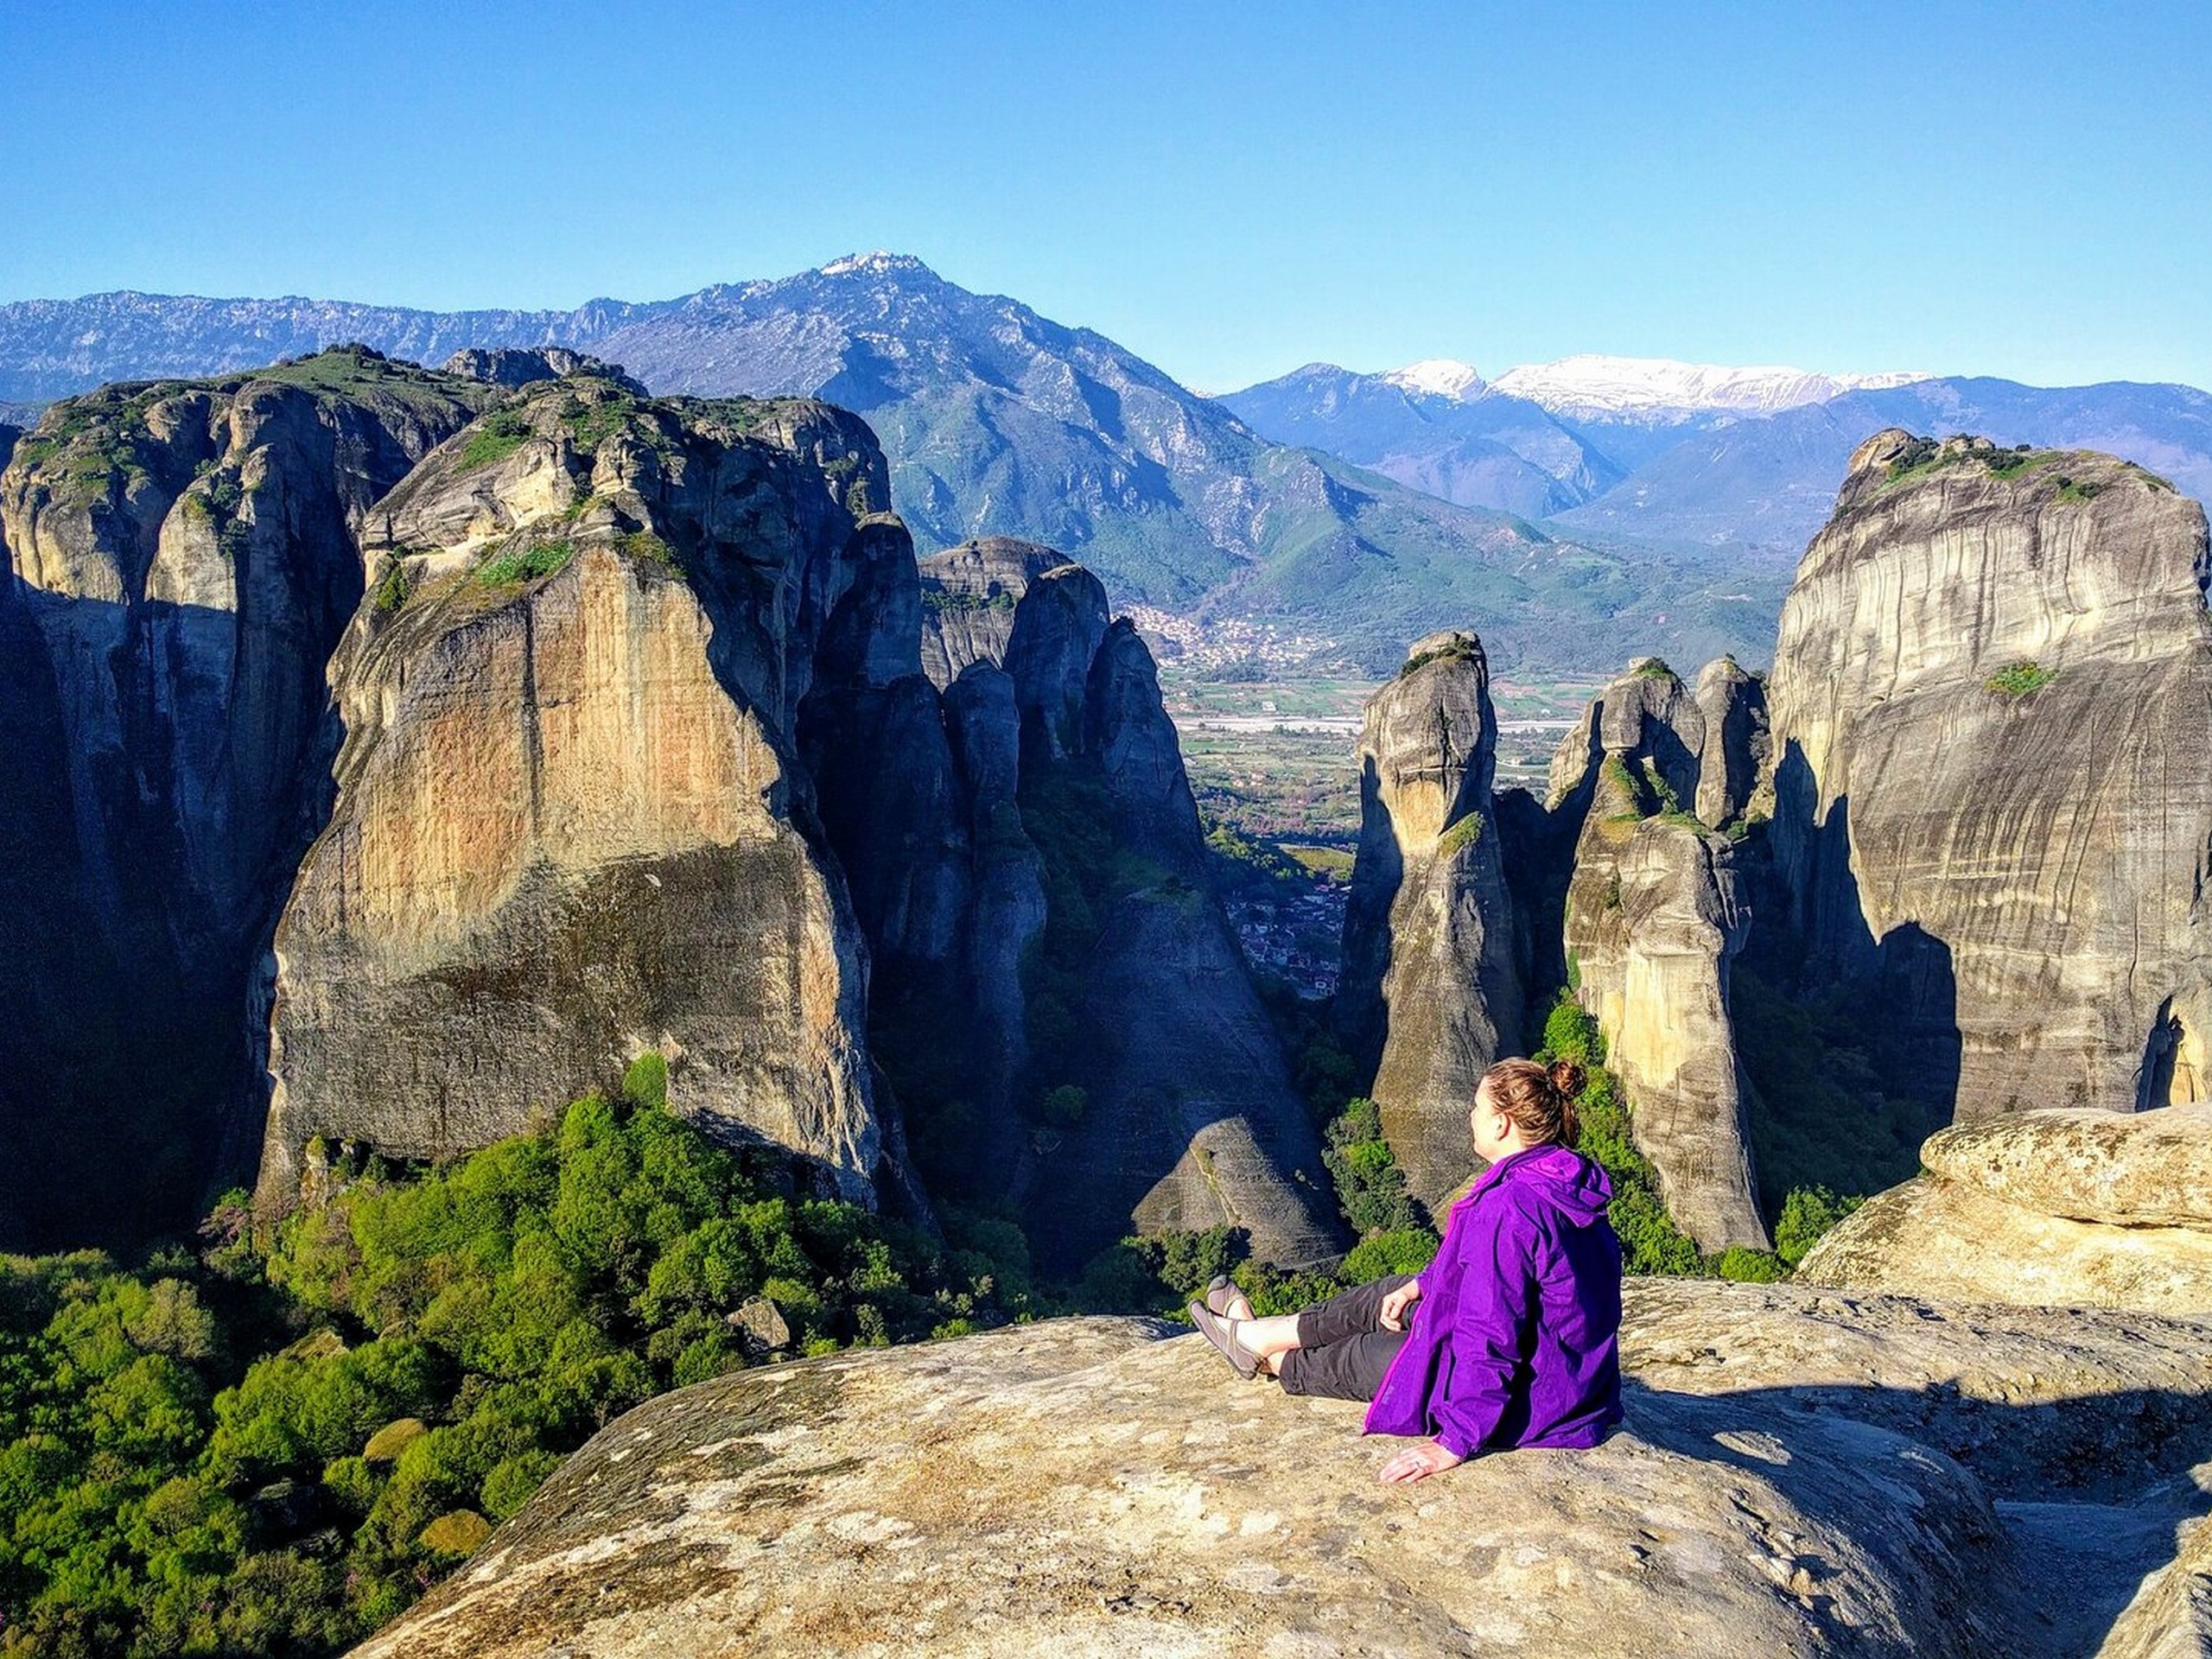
x=1514, y=1337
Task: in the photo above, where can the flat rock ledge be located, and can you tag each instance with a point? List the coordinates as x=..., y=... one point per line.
x=1803, y=1473
x=2059, y=1208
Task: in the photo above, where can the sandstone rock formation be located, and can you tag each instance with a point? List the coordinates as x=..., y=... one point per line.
x=183, y=560
x=2078, y=1207
x=513, y=367
x=1734, y=755
x=1802, y=1473
x=1991, y=698
x=1090, y=867
x=1431, y=993
x=1654, y=914
x=571, y=824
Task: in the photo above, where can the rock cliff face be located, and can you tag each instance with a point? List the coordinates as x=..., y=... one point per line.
x=1431, y=992
x=1090, y=902
x=2062, y=1208
x=1654, y=914
x=184, y=559
x=1991, y=698
x=1802, y=1473
x=638, y=753
x=571, y=824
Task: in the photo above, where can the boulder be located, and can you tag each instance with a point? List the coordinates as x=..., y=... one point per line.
x=1802, y=1473
x=1431, y=993
x=1992, y=697
x=761, y=1326
x=2068, y=1208
x=2152, y=1169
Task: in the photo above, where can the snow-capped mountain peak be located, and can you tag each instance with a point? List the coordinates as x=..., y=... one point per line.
x=1593, y=385
x=1438, y=377
x=872, y=264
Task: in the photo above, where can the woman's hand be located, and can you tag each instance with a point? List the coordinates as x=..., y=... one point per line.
x=1418, y=1463
x=1393, y=1314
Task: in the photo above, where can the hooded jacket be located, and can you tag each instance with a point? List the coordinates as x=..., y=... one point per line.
x=1515, y=1338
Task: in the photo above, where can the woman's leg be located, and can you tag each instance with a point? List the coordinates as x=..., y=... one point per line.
x=1348, y=1315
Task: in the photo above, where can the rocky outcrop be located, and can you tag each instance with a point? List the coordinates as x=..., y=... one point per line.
x=1431, y=993
x=1801, y=1474
x=1991, y=698
x=571, y=824
x=1033, y=613
x=184, y=558
x=1091, y=895
x=2078, y=1208
x=1735, y=753
x=1656, y=913
x=515, y=367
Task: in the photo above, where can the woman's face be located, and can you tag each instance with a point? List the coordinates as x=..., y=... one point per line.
x=1493, y=1130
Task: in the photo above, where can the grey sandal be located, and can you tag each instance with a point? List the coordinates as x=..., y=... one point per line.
x=1213, y=1328
x=1220, y=1293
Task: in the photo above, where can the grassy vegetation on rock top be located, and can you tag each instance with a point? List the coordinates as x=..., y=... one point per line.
x=1456, y=651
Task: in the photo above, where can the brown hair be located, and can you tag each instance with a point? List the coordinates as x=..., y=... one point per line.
x=1539, y=1099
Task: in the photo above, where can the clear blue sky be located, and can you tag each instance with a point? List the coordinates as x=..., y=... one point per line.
x=1229, y=190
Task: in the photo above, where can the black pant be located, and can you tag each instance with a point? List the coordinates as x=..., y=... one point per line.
x=1342, y=1352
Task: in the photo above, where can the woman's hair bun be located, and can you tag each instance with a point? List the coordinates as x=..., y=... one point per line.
x=1566, y=1077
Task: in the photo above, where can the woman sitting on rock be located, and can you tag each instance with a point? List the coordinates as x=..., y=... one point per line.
x=1508, y=1338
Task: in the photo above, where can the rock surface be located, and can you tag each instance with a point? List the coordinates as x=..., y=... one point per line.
x=2064, y=1208
x=1802, y=1473
x=1992, y=697
x=1654, y=917
x=571, y=825
x=1431, y=992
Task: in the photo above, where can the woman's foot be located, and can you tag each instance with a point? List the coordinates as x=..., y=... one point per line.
x=1226, y=1300
x=1218, y=1331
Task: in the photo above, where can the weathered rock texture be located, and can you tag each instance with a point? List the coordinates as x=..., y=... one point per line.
x=2065, y=1208
x=1431, y=994
x=1802, y=1473
x=1096, y=955
x=1654, y=917
x=571, y=824
x=1993, y=698
x=524, y=367
x=1733, y=771
x=183, y=558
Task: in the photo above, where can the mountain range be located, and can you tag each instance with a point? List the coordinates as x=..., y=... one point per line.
x=1661, y=452
x=1572, y=512
x=999, y=420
